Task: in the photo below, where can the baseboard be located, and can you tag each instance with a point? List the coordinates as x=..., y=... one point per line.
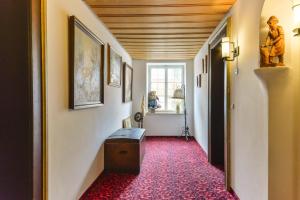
x=168, y=136
x=233, y=193
x=162, y=135
x=165, y=134
x=93, y=183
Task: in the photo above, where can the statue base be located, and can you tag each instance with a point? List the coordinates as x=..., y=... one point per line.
x=272, y=65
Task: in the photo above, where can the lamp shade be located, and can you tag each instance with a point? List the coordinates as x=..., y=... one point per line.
x=226, y=47
x=296, y=10
x=178, y=94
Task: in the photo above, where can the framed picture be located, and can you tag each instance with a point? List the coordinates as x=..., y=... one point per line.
x=127, y=82
x=200, y=83
x=86, y=67
x=203, y=66
x=206, y=63
x=114, y=64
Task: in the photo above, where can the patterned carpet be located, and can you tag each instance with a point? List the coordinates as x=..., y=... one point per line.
x=172, y=169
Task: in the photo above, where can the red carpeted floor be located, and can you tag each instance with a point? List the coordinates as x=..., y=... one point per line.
x=172, y=169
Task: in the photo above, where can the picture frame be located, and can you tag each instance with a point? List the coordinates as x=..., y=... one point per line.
x=200, y=81
x=127, y=83
x=203, y=66
x=114, y=67
x=206, y=64
x=86, y=67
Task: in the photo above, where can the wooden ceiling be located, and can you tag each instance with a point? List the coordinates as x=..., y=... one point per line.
x=161, y=29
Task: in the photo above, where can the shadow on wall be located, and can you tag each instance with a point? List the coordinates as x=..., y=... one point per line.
x=94, y=166
x=263, y=30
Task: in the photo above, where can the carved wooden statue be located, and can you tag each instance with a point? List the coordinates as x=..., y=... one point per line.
x=274, y=46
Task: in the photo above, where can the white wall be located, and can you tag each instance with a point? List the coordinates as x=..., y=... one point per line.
x=249, y=145
x=201, y=101
x=280, y=98
x=76, y=137
x=249, y=134
x=162, y=124
x=263, y=122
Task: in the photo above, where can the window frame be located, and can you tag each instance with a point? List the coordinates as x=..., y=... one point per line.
x=165, y=66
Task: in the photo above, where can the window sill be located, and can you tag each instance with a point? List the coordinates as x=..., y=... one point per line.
x=164, y=113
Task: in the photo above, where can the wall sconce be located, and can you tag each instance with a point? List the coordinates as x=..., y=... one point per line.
x=229, y=51
x=296, y=11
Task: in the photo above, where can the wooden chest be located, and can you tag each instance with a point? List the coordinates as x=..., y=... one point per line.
x=124, y=150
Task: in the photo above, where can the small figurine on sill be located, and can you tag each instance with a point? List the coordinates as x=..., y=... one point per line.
x=274, y=46
x=153, y=101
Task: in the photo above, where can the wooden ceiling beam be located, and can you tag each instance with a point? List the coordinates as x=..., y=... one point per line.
x=161, y=28
x=162, y=50
x=161, y=44
x=201, y=34
x=128, y=45
x=135, y=40
x=163, y=19
x=162, y=22
x=180, y=3
x=162, y=31
x=173, y=54
x=137, y=11
x=155, y=58
x=162, y=47
x=146, y=37
x=133, y=25
x=142, y=15
x=162, y=57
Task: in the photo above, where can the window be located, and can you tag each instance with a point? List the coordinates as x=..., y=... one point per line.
x=164, y=79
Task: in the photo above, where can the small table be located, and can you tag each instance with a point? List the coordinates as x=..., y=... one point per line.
x=124, y=150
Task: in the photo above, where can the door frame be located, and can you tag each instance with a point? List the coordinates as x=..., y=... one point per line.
x=226, y=27
x=43, y=15
x=37, y=33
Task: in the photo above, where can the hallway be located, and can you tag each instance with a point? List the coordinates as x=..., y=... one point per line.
x=172, y=169
x=76, y=72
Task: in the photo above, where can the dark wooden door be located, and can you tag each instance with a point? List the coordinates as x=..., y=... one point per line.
x=216, y=111
x=219, y=105
x=20, y=100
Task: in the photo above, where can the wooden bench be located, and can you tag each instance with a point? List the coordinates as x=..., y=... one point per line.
x=124, y=150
